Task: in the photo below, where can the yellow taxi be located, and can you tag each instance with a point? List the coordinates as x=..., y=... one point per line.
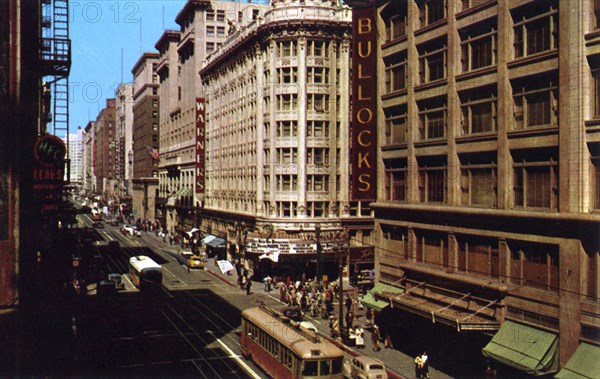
x=193, y=261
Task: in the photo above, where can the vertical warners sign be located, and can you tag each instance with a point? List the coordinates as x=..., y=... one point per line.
x=364, y=103
x=200, y=147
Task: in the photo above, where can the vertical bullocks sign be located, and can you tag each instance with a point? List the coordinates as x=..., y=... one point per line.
x=364, y=101
x=200, y=146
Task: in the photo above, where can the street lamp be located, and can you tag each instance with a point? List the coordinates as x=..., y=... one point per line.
x=318, y=265
x=342, y=246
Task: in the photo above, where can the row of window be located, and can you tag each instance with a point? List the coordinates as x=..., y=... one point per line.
x=314, y=48
x=289, y=102
x=314, y=183
x=535, y=104
x=314, y=75
x=289, y=155
x=534, y=183
x=531, y=264
x=534, y=31
x=314, y=128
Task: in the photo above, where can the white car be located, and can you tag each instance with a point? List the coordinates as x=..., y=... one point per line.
x=364, y=367
x=131, y=230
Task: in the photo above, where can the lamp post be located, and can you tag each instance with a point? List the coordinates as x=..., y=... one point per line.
x=318, y=265
x=342, y=247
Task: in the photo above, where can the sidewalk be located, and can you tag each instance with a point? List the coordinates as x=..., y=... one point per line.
x=399, y=365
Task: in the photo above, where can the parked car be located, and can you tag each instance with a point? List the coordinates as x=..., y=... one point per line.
x=364, y=367
x=131, y=230
x=98, y=225
x=114, y=222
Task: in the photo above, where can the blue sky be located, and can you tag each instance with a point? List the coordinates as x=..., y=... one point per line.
x=99, y=31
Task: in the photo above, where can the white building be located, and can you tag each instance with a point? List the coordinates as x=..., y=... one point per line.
x=277, y=135
x=124, y=138
x=204, y=26
x=76, y=157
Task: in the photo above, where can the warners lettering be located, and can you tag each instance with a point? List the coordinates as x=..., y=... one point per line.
x=364, y=104
x=200, y=144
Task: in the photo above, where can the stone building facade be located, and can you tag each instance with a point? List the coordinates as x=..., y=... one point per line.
x=204, y=26
x=277, y=135
x=145, y=136
x=488, y=173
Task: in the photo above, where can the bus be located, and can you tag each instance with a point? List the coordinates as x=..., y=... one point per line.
x=144, y=272
x=286, y=350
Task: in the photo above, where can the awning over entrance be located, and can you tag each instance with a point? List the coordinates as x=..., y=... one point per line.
x=216, y=242
x=584, y=363
x=460, y=310
x=371, y=301
x=525, y=348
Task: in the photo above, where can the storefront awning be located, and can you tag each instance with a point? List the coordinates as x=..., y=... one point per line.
x=584, y=363
x=216, y=242
x=525, y=348
x=370, y=301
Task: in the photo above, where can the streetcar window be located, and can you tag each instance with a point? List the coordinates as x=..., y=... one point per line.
x=324, y=367
x=153, y=275
x=310, y=368
x=336, y=366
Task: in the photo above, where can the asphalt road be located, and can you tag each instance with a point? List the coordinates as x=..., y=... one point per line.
x=186, y=328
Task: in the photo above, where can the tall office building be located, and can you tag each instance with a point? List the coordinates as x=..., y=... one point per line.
x=204, y=26
x=146, y=145
x=277, y=138
x=486, y=212
x=124, y=140
x=105, y=152
x=76, y=156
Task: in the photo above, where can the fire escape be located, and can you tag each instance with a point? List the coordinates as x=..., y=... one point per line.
x=55, y=61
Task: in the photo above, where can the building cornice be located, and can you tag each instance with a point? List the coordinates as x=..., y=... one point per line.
x=166, y=37
x=143, y=59
x=189, y=7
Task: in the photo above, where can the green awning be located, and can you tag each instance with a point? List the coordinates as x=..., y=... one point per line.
x=525, y=348
x=584, y=363
x=370, y=301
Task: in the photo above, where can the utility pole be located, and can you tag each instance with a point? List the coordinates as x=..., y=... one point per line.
x=343, y=246
x=318, y=268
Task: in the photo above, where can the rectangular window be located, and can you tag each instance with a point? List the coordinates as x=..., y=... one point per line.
x=466, y=4
x=287, y=128
x=395, y=180
x=210, y=47
x=395, y=73
x=534, y=106
x=287, y=49
x=396, y=130
x=478, y=113
x=478, y=46
x=317, y=75
x=220, y=15
x=317, y=102
x=317, y=128
x=210, y=31
x=432, y=122
x=317, y=156
x=220, y=31
x=287, y=75
x=397, y=27
x=478, y=256
x=210, y=16
x=317, y=49
x=534, y=265
x=432, y=61
x=431, y=11
x=535, y=29
x=287, y=102
x=478, y=185
x=535, y=184
x=432, y=184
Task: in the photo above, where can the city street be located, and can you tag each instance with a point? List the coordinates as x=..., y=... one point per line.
x=185, y=329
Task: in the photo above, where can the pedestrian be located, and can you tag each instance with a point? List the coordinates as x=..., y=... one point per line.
x=348, y=303
x=422, y=366
x=375, y=338
x=267, y=281
x=248, y=286
x=387, y=340
x=360, y=341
